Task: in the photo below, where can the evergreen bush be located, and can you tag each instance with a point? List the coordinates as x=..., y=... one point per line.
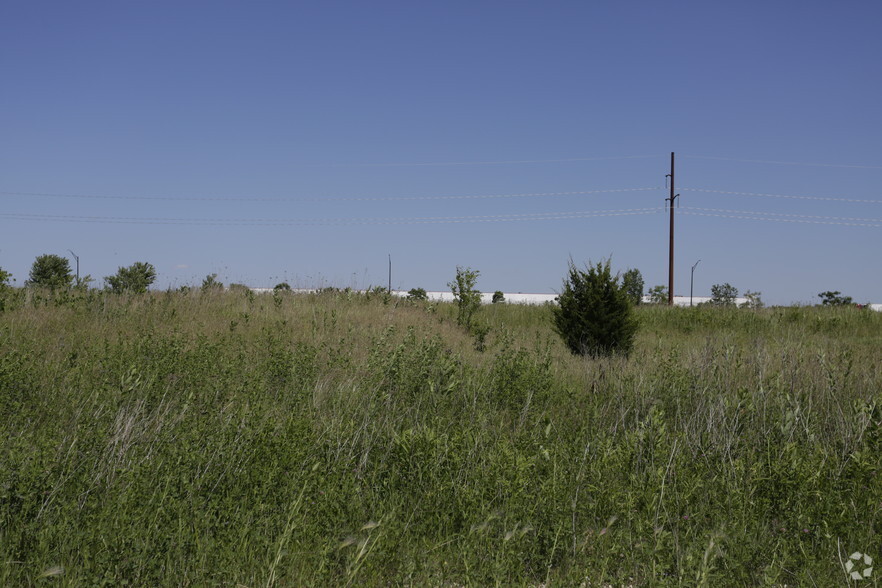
x=595, y=316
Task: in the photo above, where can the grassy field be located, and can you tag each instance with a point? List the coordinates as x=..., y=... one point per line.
x=233, y=439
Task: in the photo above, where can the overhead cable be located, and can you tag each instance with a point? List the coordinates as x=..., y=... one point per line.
x=794, y=197
x=318, y=199
x=502, y=162
x=538, y=216
x=782, y=219
x=785, y=214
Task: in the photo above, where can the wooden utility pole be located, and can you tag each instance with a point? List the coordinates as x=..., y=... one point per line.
x=670, y=201
x=390, y=273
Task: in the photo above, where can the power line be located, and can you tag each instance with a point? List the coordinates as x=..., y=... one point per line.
x=754, y=216
x=855, y=166
x=784, y=214
x=791, y=196
x=502, y=162
x=318, y=199
x=539, y=216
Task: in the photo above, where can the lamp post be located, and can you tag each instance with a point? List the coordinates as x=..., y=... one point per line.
x=691, y=281
x=78, y=265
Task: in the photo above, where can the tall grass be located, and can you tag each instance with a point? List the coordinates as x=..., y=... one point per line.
x=337, y=438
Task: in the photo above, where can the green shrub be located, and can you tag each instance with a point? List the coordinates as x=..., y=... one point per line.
x=632, y=282
x=50, y=271
x=211, y=283
x=4, y=277
x=723, y=295
x=468, y=299
x=835, y=298
x=658, y=294
x=135, y=279
x=595, y=316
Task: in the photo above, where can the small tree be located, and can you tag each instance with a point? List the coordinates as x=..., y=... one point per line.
x=754, y=300
x=211, y=283
x=135, y=279
x=835, y=298
x=4, y=287
x=723, y=294
x=417, y=294
x=498, y=297
x=658, y=295
x=468, y=299
x=4, y=278
x=632, y=282
x=282, y=287
x=50, y=271
x=594, y=315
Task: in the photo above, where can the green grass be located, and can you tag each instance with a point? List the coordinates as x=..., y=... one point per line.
x=341, y=439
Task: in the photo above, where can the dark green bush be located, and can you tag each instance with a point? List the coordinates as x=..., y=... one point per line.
x=595, y=316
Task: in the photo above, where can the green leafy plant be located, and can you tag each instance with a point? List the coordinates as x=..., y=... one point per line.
x=4, y=278
x=754, y=300
x=835, y=298
x=632, y=282
x=50, y=271
x=658, y=295
x=498, y=297
x=417, y=294
x=594, y=315
x=467, y=298
x=723, y=295
x=211, y=283
x=282, y=287
x=135, y=279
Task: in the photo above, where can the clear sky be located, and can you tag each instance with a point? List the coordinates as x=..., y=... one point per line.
x=278, y=134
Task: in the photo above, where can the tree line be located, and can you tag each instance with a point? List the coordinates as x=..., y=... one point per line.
x=53, y=272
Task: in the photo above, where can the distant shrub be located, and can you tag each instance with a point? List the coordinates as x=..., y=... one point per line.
x=211, y=283
x=135, y=279
x=467, y=298
x=632, y=282
x=417, y=294
x=282, y=287
x=754, y=300
x=498, y=297
x=658, y=295
x=50, y=271
x=4, y=278
x=595, y=316
x=835, y=298
x=4, y=287
x=723, y=295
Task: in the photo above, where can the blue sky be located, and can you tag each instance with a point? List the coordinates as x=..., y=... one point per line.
x=321, y=117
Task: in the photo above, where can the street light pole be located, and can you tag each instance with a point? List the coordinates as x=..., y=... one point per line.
x=78, y=266
x=691, y=280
